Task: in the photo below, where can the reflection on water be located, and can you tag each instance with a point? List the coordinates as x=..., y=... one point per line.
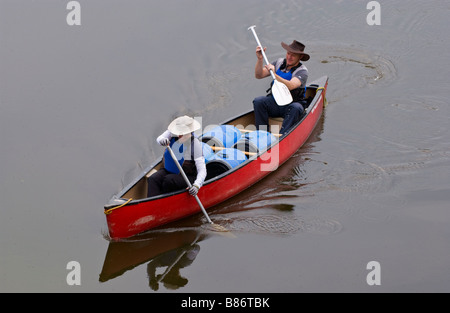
x=80, y=108
x=260, y=209
x=173, y=261
x=169, y=249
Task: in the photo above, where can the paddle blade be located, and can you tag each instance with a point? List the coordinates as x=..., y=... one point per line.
x=222, y=230
x=281, y=93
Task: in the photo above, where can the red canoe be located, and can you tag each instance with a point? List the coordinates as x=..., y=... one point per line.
x=130, y=212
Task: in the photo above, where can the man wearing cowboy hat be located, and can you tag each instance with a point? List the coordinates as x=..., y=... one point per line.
x=189, y=153
x=289, y=71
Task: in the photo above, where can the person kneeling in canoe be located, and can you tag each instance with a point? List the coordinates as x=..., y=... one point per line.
x=188, y=151
x=292, y=73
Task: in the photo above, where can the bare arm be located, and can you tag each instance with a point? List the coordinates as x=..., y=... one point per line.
x=260, y=70
x=291, y=84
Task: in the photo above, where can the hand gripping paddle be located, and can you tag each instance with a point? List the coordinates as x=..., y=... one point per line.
x=280, y=91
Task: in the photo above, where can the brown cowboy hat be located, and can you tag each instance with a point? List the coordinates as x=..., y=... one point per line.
x=296, y=47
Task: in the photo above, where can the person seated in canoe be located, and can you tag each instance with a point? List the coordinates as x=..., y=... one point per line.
x=289, y=71
x=188, y=151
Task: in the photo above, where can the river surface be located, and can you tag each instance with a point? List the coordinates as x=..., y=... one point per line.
x=81, y=106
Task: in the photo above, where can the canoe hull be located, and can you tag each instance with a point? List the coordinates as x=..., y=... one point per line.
x=144, y=214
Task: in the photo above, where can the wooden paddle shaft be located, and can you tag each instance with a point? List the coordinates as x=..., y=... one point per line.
x=223, y=148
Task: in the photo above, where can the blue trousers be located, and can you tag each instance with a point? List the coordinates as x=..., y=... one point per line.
x=266, y=107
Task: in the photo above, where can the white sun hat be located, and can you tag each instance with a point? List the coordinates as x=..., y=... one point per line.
x=183, y=125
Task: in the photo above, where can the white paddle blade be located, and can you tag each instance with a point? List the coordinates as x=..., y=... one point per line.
x=281, y=93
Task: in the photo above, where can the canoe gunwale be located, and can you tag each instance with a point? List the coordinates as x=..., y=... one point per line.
x=320, y=85
x=129, y=186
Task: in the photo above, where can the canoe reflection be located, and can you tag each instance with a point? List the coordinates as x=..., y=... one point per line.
x=174, y=260
x=167, y=250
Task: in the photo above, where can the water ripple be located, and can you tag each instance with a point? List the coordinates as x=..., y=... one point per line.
x=280, y=224
x=362, y=68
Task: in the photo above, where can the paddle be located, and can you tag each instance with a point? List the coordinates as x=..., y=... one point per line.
x=280, y=92
x=169, y=268
x=217, y=227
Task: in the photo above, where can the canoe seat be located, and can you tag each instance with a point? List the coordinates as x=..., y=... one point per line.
x=276, y=119
x=153, y=171
x=275, y=124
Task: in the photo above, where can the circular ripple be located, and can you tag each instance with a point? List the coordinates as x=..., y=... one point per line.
x=365, y=177
x=361, y=68
x=322, y=226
